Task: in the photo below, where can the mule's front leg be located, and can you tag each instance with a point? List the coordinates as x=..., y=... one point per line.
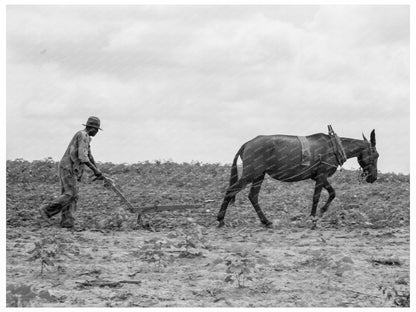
x=331, y=193
x=316, y=195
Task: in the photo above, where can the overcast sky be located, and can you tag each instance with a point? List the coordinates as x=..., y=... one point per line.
x=193, y=83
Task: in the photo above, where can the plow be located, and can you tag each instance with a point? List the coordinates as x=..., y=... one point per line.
x=140, y=211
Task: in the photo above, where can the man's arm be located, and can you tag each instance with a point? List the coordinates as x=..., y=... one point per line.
x=84, y=154
x=93, y=166
x=91, y=158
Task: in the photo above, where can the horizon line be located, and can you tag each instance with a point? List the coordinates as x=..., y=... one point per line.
x=192, y=162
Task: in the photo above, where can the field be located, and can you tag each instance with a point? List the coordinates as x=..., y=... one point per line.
x=357, y=257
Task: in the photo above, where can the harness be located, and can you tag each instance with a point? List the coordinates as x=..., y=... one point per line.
x=306, y=155
x=306, y=151
x=338, y=149
x=337, y=146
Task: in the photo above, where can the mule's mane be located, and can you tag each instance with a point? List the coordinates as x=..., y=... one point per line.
x=353, y=147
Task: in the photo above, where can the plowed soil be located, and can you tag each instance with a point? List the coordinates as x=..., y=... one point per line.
x=357, y=257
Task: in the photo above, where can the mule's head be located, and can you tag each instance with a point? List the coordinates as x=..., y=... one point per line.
x=368, y=158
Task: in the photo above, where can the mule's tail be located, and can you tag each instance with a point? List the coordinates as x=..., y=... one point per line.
x=234, y=171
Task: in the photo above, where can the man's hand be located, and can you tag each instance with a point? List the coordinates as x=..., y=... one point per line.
x=98, y=174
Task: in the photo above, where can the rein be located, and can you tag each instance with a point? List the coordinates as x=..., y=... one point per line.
x=340, y=155
x=310, y=168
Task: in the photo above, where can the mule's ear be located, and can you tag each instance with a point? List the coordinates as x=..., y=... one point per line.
x=365, y=139
x=373, y=137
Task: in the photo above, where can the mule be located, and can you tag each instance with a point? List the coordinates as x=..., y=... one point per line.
x=280, y=156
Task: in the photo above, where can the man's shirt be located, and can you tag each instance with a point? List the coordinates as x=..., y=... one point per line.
x=77, y=153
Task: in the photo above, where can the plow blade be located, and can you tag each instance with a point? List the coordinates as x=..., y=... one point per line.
x=168, y=207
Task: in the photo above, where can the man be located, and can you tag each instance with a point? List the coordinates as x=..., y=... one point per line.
x=71, y=168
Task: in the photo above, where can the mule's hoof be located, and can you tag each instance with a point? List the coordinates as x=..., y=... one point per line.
x=145, y=225
x=268, y=224
x=321, y=213
x=221, y=224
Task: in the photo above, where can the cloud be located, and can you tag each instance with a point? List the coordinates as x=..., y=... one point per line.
x=364, y=25
x=195, y=82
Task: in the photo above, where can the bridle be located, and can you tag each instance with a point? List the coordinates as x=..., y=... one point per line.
x=362, y=175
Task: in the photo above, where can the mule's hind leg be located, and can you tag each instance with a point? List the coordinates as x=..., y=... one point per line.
x=229, y=194
x=254, y=199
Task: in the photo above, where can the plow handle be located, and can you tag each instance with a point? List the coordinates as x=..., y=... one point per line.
x=110, y=183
